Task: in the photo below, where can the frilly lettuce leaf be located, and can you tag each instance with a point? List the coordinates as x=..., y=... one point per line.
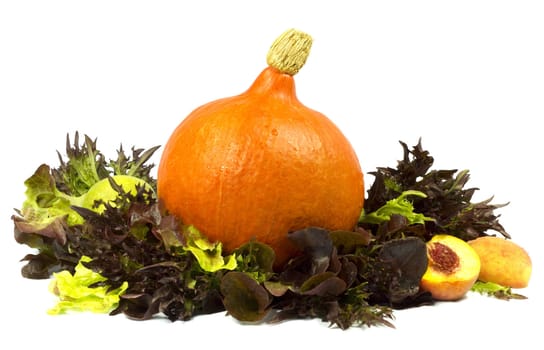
x=244, y=298
x=76, y=292
x=51, y=192
x=45, y=203
x=209, y=255
x=84, y=167
x=256, y=259
x=495, y=290
x=399, y=206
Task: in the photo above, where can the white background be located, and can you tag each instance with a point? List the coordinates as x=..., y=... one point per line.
x=465, y=76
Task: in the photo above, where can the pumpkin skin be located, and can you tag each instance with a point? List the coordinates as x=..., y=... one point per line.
x=259, y=165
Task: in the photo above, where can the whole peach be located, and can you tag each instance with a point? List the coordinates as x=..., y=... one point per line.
x=503, y=261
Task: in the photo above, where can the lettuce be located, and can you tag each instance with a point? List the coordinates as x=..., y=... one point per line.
x=495, y=290
x=54, y=197
x=135, y=258
x=82, y=292
x=44, y=202
x=44, y=214
x=208, y=255
x=397, y=206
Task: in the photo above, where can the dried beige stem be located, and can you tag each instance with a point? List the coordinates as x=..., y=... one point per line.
x=289, y=51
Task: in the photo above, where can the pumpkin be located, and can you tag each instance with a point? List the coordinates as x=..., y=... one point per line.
x=259, y=165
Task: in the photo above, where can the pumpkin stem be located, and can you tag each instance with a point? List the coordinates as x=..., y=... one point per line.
x=289, y=51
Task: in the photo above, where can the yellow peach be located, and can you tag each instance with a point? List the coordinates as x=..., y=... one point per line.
x=503, y=261
x=453, y=268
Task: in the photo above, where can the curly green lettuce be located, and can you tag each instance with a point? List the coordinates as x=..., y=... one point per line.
x=82, y=291
x=495, y=290
x=209, y=255
x=52, y=194
x=397, y=206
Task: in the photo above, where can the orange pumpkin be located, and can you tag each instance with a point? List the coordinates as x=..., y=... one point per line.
x=261, y=164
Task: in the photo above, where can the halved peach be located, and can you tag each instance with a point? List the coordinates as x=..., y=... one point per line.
x=453, y=267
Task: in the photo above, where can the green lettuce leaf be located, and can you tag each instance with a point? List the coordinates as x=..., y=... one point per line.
x=398, y=206
x=44, y=203
x=77, y=293
x=495, y=290
x=52, y=192
x=209, y=255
